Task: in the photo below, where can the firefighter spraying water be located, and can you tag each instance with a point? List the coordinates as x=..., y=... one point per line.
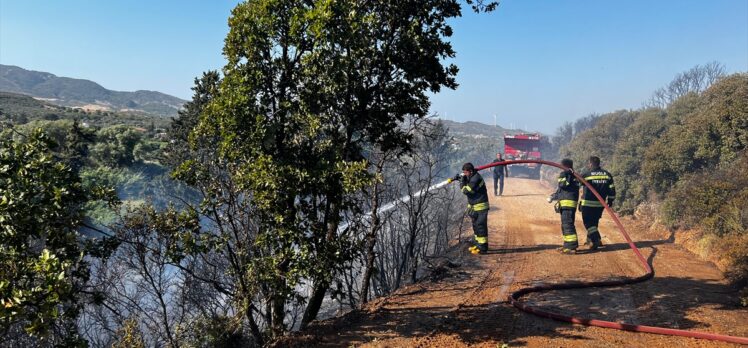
x=474, y=187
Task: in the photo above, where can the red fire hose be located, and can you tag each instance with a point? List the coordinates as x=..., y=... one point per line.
x=649, y=274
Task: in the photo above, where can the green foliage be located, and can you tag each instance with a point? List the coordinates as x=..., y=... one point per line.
x=307, y=88
x=601, y=139
x=134, y=185
x=148, y=151
x=42, y=254
x=650, y=150
x=715, y=132
x=216, y=331
x=115, y=146
x=691, y=156
x=205, y=88
x=143, y=179
x=714, y=199
x=129, y=336
x=627, y=154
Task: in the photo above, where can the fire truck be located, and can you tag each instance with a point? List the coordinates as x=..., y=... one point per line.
x=525, y=146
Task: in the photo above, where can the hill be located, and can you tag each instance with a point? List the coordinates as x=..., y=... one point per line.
x=477, y=129
x=20, y=109
x=476, y=142
x=85, y=94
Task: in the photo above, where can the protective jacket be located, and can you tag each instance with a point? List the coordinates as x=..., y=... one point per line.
x=602, y=181
x=568, y=190
x=474, y=188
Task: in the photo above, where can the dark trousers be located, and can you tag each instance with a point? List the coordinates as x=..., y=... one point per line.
x=568, y=229
x=498, y=182
x=480, y=228
x=591, y=218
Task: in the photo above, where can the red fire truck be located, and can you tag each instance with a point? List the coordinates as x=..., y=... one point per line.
x=525, y=146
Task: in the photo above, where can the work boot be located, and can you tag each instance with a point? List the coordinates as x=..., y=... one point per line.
x=567, y=251
x=477, y=251
x=596, y=245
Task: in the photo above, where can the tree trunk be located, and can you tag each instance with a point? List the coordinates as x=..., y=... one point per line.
x=321, y=285
x=279, y=314
x=411, y=252
x=254, y=328
x=314, y=304
x=371, y=240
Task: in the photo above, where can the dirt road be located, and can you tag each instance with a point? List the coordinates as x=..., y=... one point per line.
x=467, y=307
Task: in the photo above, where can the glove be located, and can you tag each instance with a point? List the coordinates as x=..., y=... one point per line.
x=464, y=179
x=455, y=178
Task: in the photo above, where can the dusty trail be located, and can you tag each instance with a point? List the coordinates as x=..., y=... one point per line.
x=467, y=308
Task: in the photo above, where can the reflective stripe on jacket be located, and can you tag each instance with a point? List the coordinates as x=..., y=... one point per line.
x=568, y=190
x=602, y=181
x=475, y=189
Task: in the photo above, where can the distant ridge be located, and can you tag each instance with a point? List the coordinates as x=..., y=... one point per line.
x=473, y=128
x=84, y=94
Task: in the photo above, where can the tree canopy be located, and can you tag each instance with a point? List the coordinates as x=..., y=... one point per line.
x=309, y=86
x=43, y=265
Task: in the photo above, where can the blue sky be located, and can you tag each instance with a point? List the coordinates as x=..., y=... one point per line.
x=535, y=64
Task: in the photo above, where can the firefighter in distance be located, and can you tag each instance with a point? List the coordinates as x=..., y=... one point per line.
x=567, y=195
x=589, y=206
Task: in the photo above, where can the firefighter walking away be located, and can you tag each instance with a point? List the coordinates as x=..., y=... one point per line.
x=590, y=207
x=473, y=186
x=567, y=195
x=498, y=175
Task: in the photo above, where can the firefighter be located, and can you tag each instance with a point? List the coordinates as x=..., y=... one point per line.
x=498, y=175
x=567, y=196
x=590, y=207
x=473, y=186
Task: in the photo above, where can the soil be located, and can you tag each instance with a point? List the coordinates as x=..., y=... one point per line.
x=465, y=303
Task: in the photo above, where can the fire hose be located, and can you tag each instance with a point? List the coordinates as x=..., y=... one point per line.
x=514, y=298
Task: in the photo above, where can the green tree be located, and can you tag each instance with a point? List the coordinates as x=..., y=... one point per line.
x=203, y=91
x=147, y=150
x=76, y=145
x=715, y=132
x=43, y=266
x=307, y=87
x=115, y=146
x=205, y=88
